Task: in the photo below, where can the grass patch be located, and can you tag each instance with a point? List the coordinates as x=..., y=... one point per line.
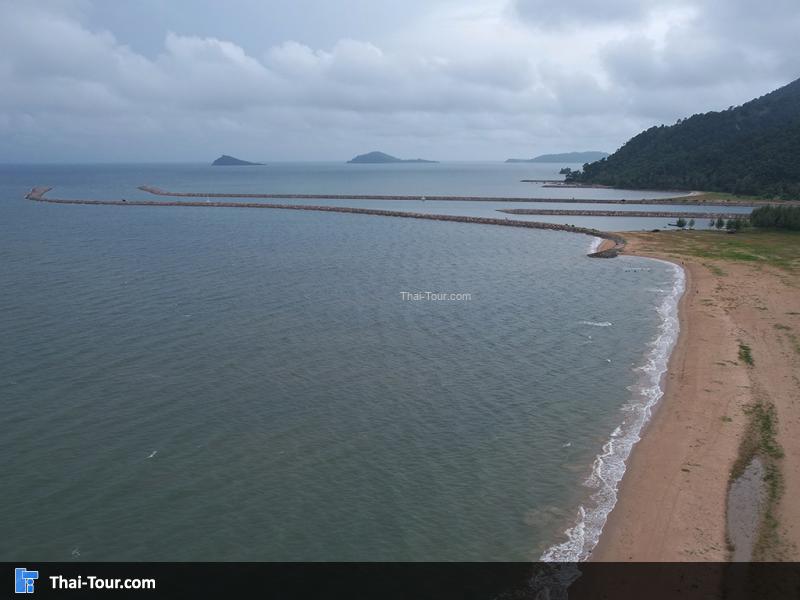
x=769, y=538
x=779, y=249
x=765, y=420
x=745, y=355
x=760, y=440
x=782, y=327
x=724, y=197
x=760, y=437
x=794, y=341
x=716, y=270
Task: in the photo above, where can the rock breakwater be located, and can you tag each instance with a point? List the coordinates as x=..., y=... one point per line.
x=37, y=194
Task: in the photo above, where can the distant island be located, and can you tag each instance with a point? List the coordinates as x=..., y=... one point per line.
x=566, y=157
x=752, y=149
x=230, y=161
x=381, y=157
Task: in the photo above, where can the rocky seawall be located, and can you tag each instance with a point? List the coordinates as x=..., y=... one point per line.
x=37, y=194
x=621, y=213
x=678, y=200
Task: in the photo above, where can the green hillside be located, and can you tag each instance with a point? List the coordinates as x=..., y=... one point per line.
x=753, y=149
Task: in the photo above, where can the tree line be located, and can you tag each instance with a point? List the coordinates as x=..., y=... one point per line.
x=763, y=217
x=776, y=217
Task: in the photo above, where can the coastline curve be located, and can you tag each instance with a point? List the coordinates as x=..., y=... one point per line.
x=610, y=464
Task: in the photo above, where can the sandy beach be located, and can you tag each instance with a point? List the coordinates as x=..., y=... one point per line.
x=672, y=499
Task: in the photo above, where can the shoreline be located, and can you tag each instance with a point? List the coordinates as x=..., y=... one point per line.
x=672, y=503
x=610, y=466
x=609, y=547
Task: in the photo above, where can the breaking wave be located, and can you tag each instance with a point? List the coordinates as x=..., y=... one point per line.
x=609, y=465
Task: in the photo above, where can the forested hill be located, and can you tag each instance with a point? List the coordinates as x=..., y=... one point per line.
x=752, y=149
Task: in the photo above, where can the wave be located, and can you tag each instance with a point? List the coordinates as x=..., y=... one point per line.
x=594, y=245
x=609, y=465
x=596, y=323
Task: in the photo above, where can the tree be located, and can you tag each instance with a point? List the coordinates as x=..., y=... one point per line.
x=780, y=217
x=711, y=224
x=691, y=223
x=681, y=222
x=720, y=223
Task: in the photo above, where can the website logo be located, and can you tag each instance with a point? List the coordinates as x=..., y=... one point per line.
x=24, y=580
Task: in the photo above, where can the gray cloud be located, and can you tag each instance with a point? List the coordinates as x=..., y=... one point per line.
x=463, y=81
x=548, y=13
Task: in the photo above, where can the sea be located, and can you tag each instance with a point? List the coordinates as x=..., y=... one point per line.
x=181, y=384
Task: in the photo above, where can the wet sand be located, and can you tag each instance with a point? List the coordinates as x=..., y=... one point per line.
x=672, y=499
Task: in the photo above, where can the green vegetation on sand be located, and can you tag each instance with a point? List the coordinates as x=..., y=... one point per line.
x=774, y=248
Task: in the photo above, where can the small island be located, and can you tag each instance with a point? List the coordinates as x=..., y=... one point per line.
x=230, y=161
x=383, y=158
x=566, y=157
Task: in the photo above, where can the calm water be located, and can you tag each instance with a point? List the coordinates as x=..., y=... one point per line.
x=469, y=179
x=180, y=384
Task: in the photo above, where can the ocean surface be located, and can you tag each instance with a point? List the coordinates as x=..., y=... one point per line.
x=227, y=384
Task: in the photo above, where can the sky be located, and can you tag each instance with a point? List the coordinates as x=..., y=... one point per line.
x=188, y=80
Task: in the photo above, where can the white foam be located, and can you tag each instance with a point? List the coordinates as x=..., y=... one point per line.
x=595, y=244
x=596, y=323
x=609, y=465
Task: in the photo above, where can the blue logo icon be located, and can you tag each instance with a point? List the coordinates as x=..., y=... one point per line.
x=23, y=580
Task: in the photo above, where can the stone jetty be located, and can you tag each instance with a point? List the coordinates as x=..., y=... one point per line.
x=37, y=194
x=683, y=200
x=620, y=213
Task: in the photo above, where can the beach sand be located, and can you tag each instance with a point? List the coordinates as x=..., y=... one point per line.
x=672, y=499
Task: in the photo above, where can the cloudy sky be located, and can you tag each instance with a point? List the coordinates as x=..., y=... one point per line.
x=187, y=80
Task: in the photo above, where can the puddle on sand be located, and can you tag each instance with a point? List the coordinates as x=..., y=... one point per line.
x=745, y=503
